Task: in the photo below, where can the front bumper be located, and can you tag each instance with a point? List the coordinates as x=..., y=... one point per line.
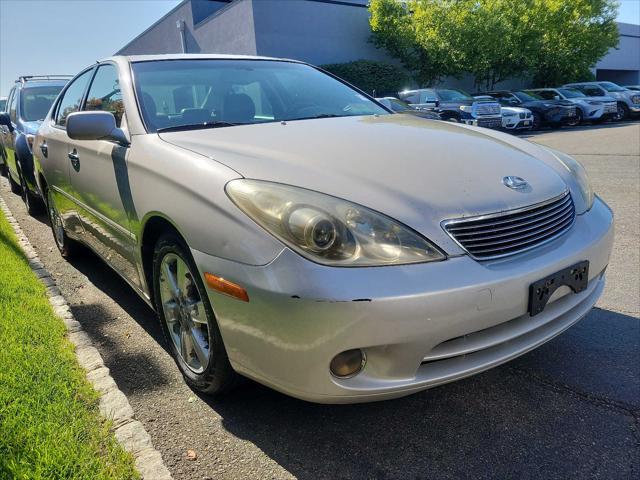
x=486, y=122
x=517, y=123
x=420, y=325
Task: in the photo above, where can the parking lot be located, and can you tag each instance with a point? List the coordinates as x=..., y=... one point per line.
x=569, y=409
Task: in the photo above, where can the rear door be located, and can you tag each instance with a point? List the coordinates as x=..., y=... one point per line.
x=100, y=180
x=56, y=161
x=9, y=135
x=4, y=131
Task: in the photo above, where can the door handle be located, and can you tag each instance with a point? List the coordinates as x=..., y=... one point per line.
x=75, y=159
x=44, y=149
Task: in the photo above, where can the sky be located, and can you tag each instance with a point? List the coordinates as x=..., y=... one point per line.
x=62, y=37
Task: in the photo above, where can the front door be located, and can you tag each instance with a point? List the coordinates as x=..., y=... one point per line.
x=99, y=180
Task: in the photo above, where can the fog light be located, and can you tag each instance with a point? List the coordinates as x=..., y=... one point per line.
x=348, y=363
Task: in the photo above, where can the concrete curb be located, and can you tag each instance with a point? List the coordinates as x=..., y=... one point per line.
x=113, y=403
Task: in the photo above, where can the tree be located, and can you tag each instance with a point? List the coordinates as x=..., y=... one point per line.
x=372, y=77
x=553, y=40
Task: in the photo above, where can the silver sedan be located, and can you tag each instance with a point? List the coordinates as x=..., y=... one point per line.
x=289, y=228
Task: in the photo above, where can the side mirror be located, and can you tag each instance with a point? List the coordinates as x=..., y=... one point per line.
x=95, y=126
x=556, y=97
x=513, y=101
x=6, y=120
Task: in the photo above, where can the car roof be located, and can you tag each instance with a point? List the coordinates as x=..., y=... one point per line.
x=43, y=83
x=193, y=56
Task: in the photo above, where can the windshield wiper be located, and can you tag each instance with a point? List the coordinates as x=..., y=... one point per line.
x=321, y=115
x=196, y=126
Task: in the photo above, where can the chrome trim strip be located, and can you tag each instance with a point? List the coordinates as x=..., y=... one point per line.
x=111, y=223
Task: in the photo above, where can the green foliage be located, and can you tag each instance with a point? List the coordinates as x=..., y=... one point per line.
x=370, y=76
x=49, y=421
x=551, y=40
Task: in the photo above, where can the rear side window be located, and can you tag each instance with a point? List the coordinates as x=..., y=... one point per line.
x=592, y=91
x=11, y=108
x=72, y=97
x=104, y=92
x=547, y=94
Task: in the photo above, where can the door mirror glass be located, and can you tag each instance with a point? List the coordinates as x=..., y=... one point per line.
x=5, y=120
x=94, y=126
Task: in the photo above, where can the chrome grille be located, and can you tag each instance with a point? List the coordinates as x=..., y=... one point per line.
x=610, y=107
x=513, y=231
x=487, y=108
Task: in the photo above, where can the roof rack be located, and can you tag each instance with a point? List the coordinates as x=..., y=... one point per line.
x=26, y=78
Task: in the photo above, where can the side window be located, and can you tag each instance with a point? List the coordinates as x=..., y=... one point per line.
x=104, y=92
x=12, y=105
x=427, y=96
x=593, y=91
x=547, y=94
x=71, y=98
x=411, y=97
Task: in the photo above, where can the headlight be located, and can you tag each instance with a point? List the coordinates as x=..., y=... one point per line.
x=30, y=139
x=509, y=114
x=579, y=174
x=594, y=103
x=635, y=99
x=329, y=230
x=466, y=108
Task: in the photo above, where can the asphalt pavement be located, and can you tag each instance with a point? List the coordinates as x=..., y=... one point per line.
x=569, y=409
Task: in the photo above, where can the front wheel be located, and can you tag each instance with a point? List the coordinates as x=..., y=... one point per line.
x=537, y=121
x=622, y=113
x=577, y=120
x=15, y=186
x=187, y=319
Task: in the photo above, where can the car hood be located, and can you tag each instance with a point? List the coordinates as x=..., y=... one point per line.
x=416, y=171
x=544, y=103
x=514, y=110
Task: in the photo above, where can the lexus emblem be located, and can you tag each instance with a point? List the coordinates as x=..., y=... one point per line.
x=515, y=183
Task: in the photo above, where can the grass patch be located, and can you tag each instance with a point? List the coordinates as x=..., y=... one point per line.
x=49, y=421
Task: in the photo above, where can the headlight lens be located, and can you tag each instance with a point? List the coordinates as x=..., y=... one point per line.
x=466, y=108
x=329, y=230
x=579, y=174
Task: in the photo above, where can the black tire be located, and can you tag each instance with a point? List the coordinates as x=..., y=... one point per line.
x=15, y=186
x=3, y=170
x=218, y=377
x=536, y=123
x=34, y=204
x=66, y=245
x=623, y=112
x=578, y=120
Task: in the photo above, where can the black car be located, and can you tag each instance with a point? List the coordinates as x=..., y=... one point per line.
x=27, y=105
x=400, y=106
x=553, y=113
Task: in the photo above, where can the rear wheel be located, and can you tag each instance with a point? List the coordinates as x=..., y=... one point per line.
x=32, y=202
x=66, y=245
x=187, y=319
x=15, y=186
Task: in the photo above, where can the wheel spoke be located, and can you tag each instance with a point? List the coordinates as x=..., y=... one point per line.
x=185, y=346
x=199, y=348
x=198, y=315
x=171, y=311
x=170, y=280
x=181, y=275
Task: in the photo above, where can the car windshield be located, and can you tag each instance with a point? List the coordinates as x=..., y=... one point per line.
x=36, y=101
x=611, y=87
x=399, y=105
x=571, y=93
x=527, y=97
x=221, y=92
x=451, y=95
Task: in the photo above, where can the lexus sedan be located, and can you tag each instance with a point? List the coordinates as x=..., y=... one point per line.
x=288, y=228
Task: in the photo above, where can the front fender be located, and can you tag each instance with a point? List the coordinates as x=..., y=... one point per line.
x=24, y=161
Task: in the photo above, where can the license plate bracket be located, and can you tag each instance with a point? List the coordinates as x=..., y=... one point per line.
x=575, y=277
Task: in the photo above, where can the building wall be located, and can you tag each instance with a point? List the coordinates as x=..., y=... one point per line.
x=622, y=64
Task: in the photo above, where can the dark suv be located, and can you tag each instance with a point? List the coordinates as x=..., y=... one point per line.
x=27, y=105
x=553, y=113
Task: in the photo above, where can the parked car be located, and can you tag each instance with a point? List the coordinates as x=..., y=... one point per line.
x=513, y=118
x=28, y=104
x=400, y=106
x=594, y=109
x=553, y=113
x=457, y=105
x=632, y=87
x=288, y=228
x=3, y=163
x=628, y=100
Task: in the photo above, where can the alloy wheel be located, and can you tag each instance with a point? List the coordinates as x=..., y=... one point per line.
x=56, y=221
x=184, y=313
